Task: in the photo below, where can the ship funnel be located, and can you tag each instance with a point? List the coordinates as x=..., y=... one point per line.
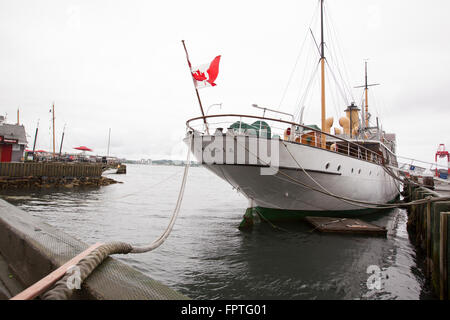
x=352, y=114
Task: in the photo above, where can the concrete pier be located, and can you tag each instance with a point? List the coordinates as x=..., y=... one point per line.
x=31, y=249
x=429, y=224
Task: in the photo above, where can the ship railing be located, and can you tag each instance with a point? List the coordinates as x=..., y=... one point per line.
x=237, y=125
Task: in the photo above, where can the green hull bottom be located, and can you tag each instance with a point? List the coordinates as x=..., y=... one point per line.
x=271, y=214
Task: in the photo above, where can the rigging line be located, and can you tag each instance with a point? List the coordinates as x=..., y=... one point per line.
x=345, y=85
x=315, y=42
x=376, y=204
x=334, y=96
x=308, y=98
x=332, y=52
x=335, y=60
x=317, y=183
x=295, y=181
x=268, y=221
x=340, y=50
x=310, y=69
x=305, y=93
x=298, y=58
x=149, y=187
x=337, y=83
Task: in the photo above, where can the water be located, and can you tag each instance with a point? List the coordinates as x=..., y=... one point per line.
x=207, y=257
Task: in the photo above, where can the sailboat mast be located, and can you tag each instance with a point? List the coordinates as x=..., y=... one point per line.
x=322, y=64
x=62, y=140
x=109, y=140
x=366, y=89
x=53, y=118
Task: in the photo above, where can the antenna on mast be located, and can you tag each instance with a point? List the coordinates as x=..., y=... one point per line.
x=366, y=91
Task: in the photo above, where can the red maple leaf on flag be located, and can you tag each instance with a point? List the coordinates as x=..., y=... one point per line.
x=199, y=76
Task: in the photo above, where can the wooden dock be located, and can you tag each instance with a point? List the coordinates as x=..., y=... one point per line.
x=428, y=226
x=345, y=225
x=19, y=175
x=50, y=169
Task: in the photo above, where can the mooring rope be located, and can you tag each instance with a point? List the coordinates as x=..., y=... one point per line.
x=374, y=205
x=61, y=291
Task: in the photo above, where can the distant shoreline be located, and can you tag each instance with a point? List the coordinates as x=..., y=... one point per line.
x=163, y=162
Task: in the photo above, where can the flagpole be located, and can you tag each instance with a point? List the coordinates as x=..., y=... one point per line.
x=196, y=90
x=53, y=118
x=62, y=140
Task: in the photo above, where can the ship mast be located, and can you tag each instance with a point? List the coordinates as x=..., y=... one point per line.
x=366, y=92
x=322, y=65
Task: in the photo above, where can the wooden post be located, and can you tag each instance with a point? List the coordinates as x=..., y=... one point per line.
x=53, y=118
x=443, y=255
x=428, y=246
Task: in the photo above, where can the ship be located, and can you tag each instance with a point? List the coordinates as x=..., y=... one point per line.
x=287, y=169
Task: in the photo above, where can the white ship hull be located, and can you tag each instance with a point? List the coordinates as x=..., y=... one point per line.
x=302, y=168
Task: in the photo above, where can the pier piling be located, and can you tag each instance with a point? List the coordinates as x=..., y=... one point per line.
x=428, y=225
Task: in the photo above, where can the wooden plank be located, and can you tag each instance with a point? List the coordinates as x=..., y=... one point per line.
x=428, y=245
x=44, y=284
x=345, y=225
x=443, y=258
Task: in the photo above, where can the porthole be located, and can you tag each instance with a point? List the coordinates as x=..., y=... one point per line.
x=327, y=166
x=370, y=173
x=339, y=168
x=359, y=171
x=352, y=170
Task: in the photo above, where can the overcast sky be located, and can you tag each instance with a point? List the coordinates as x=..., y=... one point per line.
x=121, y=65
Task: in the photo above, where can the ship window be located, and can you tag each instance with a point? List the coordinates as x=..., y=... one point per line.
x=352, y=170
x=359, y=171
x=339, y=168
x=370, y=173
x=327, y=165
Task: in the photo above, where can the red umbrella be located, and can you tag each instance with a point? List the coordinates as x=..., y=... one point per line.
x=83, y=148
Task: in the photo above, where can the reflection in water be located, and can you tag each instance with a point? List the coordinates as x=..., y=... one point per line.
x=207, y=257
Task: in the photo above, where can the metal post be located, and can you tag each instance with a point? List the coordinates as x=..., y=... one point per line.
x=443, y=255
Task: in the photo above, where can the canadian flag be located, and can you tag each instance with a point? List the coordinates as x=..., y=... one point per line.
x=206, y=74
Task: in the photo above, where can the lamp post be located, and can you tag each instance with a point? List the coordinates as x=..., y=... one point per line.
x=214, y=104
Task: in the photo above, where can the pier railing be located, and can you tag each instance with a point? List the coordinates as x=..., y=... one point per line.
x=297, y=133
x=50, y=169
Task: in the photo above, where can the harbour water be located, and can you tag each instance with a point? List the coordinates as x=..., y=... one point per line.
x=207, y=257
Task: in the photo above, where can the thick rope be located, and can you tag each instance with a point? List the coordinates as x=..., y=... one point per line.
x=62, y=291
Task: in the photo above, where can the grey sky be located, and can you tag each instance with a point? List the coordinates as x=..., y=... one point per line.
x=121, y=65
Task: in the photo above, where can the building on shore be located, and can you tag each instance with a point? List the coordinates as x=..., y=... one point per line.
x=13, y=141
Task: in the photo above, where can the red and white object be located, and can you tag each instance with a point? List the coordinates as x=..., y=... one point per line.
x=442, y=153
x=206, y=74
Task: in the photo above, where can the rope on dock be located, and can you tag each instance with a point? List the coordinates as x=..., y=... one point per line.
x=61, y=291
